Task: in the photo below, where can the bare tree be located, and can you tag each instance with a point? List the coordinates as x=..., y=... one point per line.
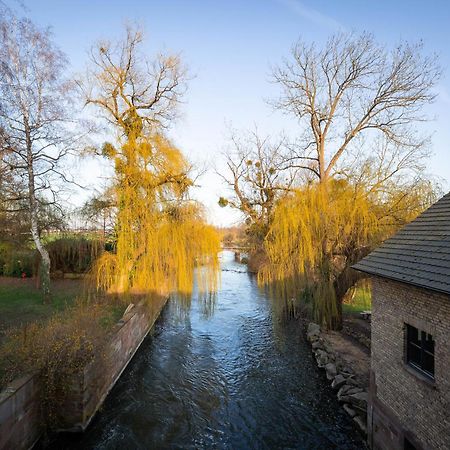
x=139, y=97
x=125, y=84
x=350, y=89
x=257, y=177
x=100, y=211
x=34, y=100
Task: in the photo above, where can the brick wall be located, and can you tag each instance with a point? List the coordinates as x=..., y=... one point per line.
x=90, y=388
x=402, y=403
x=20, y=425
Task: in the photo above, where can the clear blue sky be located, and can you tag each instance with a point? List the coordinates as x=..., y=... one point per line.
x=229, y=46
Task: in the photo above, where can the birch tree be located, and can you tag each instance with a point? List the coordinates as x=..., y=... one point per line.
x=34, y=106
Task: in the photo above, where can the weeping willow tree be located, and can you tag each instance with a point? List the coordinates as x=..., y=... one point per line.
x=309, y=229
x=361, y=157
x=160, y=237
x=319, y=231
x=161, y=234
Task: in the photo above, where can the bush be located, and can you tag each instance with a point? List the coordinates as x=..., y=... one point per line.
x=74, y=254
x=14, y=262
x=58, y=350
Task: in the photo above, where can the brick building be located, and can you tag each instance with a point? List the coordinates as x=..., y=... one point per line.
x=409, y=398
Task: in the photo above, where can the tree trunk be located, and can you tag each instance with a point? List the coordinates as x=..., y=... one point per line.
x=343, y=282
x=337, y=322
x=321, y=157
x=44, y=267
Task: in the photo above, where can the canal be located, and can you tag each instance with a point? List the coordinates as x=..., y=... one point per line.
x=234, y=377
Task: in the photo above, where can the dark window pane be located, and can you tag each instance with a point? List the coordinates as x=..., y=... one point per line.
x=428, y=343
x=420, y=350
x=413, y=354
x=413, y=334
x=428, y=362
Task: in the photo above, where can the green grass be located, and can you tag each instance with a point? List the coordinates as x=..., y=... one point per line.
x=21, y=301
x=21, y=304
x=362, y=301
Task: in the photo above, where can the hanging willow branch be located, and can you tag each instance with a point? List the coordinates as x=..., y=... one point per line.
x=161, y=234
x=319, y=231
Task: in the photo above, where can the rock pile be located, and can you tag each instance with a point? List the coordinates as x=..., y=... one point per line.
x=350, y=393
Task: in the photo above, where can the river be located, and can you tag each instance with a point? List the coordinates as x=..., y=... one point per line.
x=234, y=377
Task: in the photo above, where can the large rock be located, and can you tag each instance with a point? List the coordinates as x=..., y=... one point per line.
x=362, y=423
x=359, y=399
x=347, y=371
x=331, y=371
x=328, y=348
x=346, y=391
x=338, y=381
x=313, y=332
x=349, y=410
x=317, y=345
x=351, y=381
x=321, y=358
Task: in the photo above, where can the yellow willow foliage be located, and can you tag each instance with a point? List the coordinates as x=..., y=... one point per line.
x=310, y=229
x=161, y=237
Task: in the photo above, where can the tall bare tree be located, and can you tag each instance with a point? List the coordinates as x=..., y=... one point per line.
x=257, y=177
x=125, y=84
x=34, y=107
x=359, y=107
x=353, y=89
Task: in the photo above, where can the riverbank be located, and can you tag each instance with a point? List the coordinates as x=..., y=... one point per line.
x=21, y=405
x=346, y=363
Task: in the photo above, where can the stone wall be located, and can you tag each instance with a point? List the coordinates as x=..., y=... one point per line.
x=351, y=389
x=20, y=418
x=402, y=403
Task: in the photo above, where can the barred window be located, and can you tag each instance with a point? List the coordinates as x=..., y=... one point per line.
x=420, y=350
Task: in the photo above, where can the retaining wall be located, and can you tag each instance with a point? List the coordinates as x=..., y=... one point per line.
x=20, y=417
x=20, y=424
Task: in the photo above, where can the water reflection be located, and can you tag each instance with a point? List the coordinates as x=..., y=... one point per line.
x=225, y=374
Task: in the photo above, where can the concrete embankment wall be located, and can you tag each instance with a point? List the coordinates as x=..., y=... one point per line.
x=20, y=416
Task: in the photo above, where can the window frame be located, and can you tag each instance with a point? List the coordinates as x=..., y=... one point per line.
x=408, y=342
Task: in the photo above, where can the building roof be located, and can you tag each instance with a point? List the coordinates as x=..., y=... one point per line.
x=419, y=254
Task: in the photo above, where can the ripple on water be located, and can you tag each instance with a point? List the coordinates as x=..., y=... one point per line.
x=235, y=379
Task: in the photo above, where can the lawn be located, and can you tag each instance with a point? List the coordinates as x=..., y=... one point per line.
x=361, y=301
x=21, y=304
x=21, y=300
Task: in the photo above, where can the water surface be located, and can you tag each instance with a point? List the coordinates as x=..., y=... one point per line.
x=236, y=378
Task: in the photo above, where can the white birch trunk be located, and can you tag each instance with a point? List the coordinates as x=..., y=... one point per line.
x=44, y=274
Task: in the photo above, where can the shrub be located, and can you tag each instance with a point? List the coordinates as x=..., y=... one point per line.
x=57, y=349
x=14, y=262
x=74, y=254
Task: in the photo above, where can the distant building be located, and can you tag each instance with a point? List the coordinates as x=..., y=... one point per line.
x=409, y=398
